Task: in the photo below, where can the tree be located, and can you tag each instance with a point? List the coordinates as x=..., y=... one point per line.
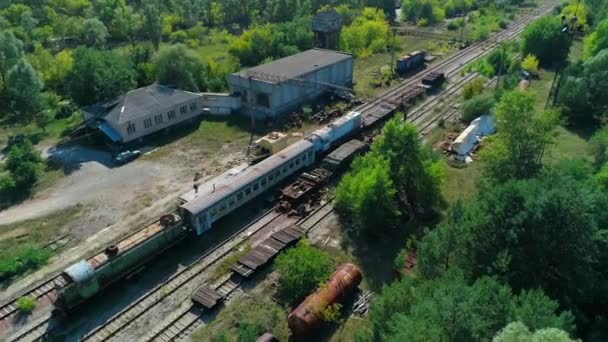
x=518, y=148
x=11, y=51
x=477, y=106
x=152, y=24
x=94, y=32
x=62, y=64
x=414, y=169
x=24, y=90
x=367, y=34
x=447, y=308
x=473, y=88
x=98, y=75
x=180, y=67
x=429, y=10
x=518, y=231
x=598, y=144
x=126, y=23
x=24, y=164
x=516, y=331
x=530, y=64
x=368, y=188
x=301, y=270
x=597, y=40
x=544, y=39
x=584, y=95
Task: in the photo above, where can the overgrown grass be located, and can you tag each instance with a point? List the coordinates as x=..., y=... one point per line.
x=244, y=317
x=224, y=267
x=21, y=243
x=26, y=304
x=51, y=134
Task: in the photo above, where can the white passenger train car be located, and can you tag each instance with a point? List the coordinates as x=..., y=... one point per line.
x=208, y=206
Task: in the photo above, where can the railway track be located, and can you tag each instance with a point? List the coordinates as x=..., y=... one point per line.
x=137, y=309
x=190, y=317
x=130, y=314
x=385, y=103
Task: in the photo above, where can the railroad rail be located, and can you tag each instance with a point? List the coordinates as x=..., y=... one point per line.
x=385, y=103
x=152, y=298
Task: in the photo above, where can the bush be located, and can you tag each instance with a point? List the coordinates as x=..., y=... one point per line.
x=452, y=26
x=26, y=304
x=473, y=88
x=477, y=106
x=530, y=64
x=301, y=269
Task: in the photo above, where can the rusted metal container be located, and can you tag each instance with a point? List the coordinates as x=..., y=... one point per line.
x=307, y=316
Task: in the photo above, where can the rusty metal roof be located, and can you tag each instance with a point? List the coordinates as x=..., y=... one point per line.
x=206, y=199
x=206, y=297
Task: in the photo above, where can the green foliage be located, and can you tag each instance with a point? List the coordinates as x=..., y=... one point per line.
x=301, y=270
x=367, y=33
x=427, y=10
x=599, y=147
x=518, y=148
x=272, y=41
x=500, y=59
x=414, y=169
x=517, y=331
x=180, y=67
x=530, y=64
x=473, y=88
x=24, y=164
x=544, y=39
x=249, y=332
x=597, y=40
x=11, y=52
x=26, y=258
x=584, y=94
x=98, y=75
x=368, y=188
x=24, y=89
x=26, y=304
x=332, y=313
x=448, y=308
x=477, y=106
x=94, y=33
x=510, y=224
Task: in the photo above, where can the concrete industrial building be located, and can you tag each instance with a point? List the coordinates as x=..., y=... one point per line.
x=146, y=110
x=270, y=90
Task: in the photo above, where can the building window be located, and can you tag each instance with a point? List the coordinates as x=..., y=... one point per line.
x=193, y=106
x=263, y=100
x=183, y=109
x=158, y=119
x=148, y=122
x=171, y=114
x=131, y=127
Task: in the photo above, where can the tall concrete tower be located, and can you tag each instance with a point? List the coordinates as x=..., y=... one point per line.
x=327, y=26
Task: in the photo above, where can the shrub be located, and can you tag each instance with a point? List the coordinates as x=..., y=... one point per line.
x=452, y=26
x=477, y=106
x=530, y=64
x=26, y=304
x=301, y=269
x=473, y=88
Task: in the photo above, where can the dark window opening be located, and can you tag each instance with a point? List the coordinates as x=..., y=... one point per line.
x=263, y=100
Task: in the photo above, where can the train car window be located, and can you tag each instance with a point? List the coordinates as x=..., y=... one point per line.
x=231, y=203
x=263, y=182
x=291, y=165
x=223, y=207
x=255, y=186
x=298, y=161
x=247, y=191
x=270, y=178
x=239, y=196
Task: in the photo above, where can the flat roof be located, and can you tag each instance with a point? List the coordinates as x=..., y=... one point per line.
x=295, y=65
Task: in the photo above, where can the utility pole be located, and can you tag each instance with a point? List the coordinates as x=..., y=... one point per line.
x=392, y=47
x=569, y=29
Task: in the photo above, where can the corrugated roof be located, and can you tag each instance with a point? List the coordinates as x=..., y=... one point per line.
x=153, y=99
x=205, y=199
x=297, y=65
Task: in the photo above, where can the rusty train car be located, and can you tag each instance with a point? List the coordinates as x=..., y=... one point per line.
x=306, y=318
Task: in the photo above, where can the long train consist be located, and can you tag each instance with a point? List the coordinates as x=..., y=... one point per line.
x=204, y=205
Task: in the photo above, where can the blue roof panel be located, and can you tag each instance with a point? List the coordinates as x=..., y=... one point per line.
x=109, y=131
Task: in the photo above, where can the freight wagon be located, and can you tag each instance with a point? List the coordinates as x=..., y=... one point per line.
x=410, y=62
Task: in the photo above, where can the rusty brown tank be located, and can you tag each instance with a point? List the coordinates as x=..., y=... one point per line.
x=306, y=318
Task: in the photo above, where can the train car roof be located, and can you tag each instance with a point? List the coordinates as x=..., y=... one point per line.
x=208, y=197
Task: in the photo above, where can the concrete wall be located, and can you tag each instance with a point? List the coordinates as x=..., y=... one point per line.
x=287, y=96
x=220, y=103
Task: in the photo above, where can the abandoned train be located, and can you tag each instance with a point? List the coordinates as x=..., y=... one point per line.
x=209, y=202
x=198, y=210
